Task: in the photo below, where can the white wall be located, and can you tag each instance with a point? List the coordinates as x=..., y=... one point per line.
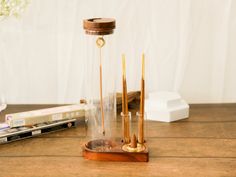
x=190, y=47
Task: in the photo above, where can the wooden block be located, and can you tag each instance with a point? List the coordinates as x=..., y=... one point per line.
x=112, y=151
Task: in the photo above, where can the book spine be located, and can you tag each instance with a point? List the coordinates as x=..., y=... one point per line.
x=18, y=122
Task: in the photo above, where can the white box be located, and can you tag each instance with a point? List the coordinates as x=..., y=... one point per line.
x=45, y=115
x=166, y=107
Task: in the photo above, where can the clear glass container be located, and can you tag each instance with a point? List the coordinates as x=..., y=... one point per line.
x=100, y=88
x=135, y=126
x=137, y=134
x=141, y=128
x=126, y=127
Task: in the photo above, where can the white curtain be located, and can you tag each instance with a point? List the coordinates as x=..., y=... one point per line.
x=190, y=47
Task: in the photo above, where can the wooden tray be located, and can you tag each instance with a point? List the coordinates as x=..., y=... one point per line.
x=106, y=150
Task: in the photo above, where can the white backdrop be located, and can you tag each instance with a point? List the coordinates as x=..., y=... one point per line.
x=190, y=47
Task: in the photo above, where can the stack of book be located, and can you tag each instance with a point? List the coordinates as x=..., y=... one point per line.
x=23, y=125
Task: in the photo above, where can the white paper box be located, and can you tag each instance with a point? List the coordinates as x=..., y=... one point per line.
x=45, y=115
x=166, y=107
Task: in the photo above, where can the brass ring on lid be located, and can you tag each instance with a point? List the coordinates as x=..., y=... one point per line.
x=99, y=26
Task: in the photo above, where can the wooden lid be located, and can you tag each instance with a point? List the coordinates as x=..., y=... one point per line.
x=99, y=26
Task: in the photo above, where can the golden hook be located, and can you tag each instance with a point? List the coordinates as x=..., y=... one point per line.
x=100, y=42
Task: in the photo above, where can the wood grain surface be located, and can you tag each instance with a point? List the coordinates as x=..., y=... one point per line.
x=202, y=145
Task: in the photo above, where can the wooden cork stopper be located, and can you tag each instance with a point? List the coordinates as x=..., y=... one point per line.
x=133, y=142
x=99, y=26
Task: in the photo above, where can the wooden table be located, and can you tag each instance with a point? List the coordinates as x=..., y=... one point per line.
x=203, y=145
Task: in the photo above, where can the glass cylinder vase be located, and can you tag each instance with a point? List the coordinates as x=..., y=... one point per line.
x=100, y=85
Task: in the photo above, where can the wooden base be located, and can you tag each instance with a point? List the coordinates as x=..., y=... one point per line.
x=105, y=150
